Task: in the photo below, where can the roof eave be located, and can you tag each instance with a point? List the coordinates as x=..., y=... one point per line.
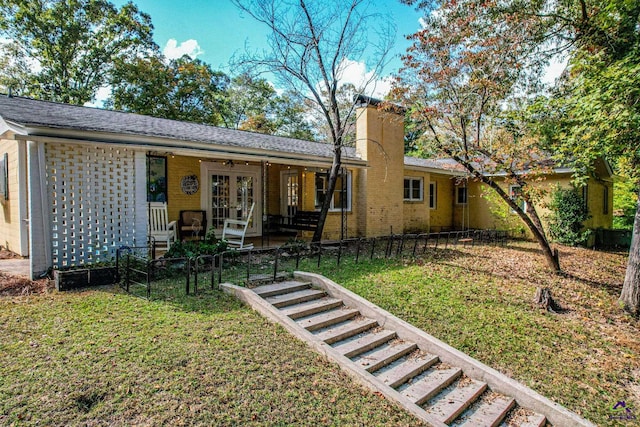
x=434, y=170
x=153, y=143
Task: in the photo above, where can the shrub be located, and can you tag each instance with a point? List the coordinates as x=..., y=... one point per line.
x=567, y=217
x=191, y=249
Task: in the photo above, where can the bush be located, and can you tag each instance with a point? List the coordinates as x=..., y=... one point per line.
x=567, y=217
x=191, y=249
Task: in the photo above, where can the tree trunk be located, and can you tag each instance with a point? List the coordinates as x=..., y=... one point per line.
x=530, y=218
x=630, y=296
x=334, y=172
x=544, y=299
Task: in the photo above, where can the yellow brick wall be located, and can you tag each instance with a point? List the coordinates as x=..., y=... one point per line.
x=10, y=221
x=442, y=216
x=381, y=143
x=416, y=213
x=482, y=217
x=178, y=167
x=273, y=189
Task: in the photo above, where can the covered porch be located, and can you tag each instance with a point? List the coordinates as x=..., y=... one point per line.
x=226, y=187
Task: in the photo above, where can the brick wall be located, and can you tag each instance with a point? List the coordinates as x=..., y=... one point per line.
x=380, y=198
x=10, y=215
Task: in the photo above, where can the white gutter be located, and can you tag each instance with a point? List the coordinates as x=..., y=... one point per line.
x=203, y=149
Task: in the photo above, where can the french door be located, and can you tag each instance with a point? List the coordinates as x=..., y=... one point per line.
x=230, y=194
x=290, y=193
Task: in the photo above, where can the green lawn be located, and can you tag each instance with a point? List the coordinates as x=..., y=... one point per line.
x=106, y=358
x=479, y=300
x=103, y=357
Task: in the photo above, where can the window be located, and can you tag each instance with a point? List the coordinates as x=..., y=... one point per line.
x=413, y=191
x=156, y=179
x=433, y=195
x=585, y=196
x=515, y=192
x=341, y=195
x=461, y=198
x=605, y=200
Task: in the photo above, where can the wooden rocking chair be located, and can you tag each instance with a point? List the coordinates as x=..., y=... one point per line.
x=235, y=229
x=159, y=226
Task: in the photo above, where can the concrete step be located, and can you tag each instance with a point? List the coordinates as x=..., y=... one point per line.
x=435, y=380
x=341, y=332
x=534, y=420
x=365, y=343
x=521, y=417
x=441, y=395
x=308, y=308
x=296, y=297
x=455, y=399
x=327, y=318
x=280, y=288
x=489, y=411
x=385, y=356
x=409, y=368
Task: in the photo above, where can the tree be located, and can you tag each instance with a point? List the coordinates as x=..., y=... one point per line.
x=247, y=101
x=180, y=89
x=290, y=117
x=310, y=43
x=72, y=44
x=568, y=213
x=345, y=95
x=463, y=77
x=594, y=110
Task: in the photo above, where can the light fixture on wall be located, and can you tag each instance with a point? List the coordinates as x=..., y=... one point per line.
x=228, y=163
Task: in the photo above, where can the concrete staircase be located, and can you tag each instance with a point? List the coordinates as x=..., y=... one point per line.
x=435, y=382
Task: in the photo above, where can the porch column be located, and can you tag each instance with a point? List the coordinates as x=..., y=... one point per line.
x=140, y=204
x=40, y=235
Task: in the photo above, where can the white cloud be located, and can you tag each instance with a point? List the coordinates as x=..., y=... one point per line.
x=356, y=73
x=101, y=95
x=174, y=51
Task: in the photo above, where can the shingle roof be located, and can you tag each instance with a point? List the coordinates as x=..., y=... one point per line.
x=441, y=164
x=32, y=113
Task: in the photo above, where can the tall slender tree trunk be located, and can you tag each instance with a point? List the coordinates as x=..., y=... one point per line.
x=331, y=186
x=630, y=296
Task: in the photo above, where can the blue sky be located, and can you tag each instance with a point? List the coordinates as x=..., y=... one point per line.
x=215, y=30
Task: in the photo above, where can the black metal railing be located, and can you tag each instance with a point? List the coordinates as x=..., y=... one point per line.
x=167, y=277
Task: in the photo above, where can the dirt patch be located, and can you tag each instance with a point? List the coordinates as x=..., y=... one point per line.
x=6, y=254
x=16, y=286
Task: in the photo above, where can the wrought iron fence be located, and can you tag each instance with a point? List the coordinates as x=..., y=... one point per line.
x=145, y=276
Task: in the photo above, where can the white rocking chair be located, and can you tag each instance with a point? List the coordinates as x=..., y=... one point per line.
x=235, y=229
x=159, y=226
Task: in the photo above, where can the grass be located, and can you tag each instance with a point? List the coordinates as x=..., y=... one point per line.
x=479, y=300
x=102, y=357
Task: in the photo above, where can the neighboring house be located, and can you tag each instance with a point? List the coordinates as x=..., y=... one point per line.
x=78, y=180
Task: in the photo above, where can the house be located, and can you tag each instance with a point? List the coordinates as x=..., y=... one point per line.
x=76, y=181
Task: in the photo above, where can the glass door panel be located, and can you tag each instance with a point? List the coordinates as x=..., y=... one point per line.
x=290, y=193
x=231, y=194
x=220, y=199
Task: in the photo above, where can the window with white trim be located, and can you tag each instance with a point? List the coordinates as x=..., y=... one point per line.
x=413, y=189
x=433, y=195
x=341, y=195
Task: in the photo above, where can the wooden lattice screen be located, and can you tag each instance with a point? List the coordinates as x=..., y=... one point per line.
x=91, y=192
